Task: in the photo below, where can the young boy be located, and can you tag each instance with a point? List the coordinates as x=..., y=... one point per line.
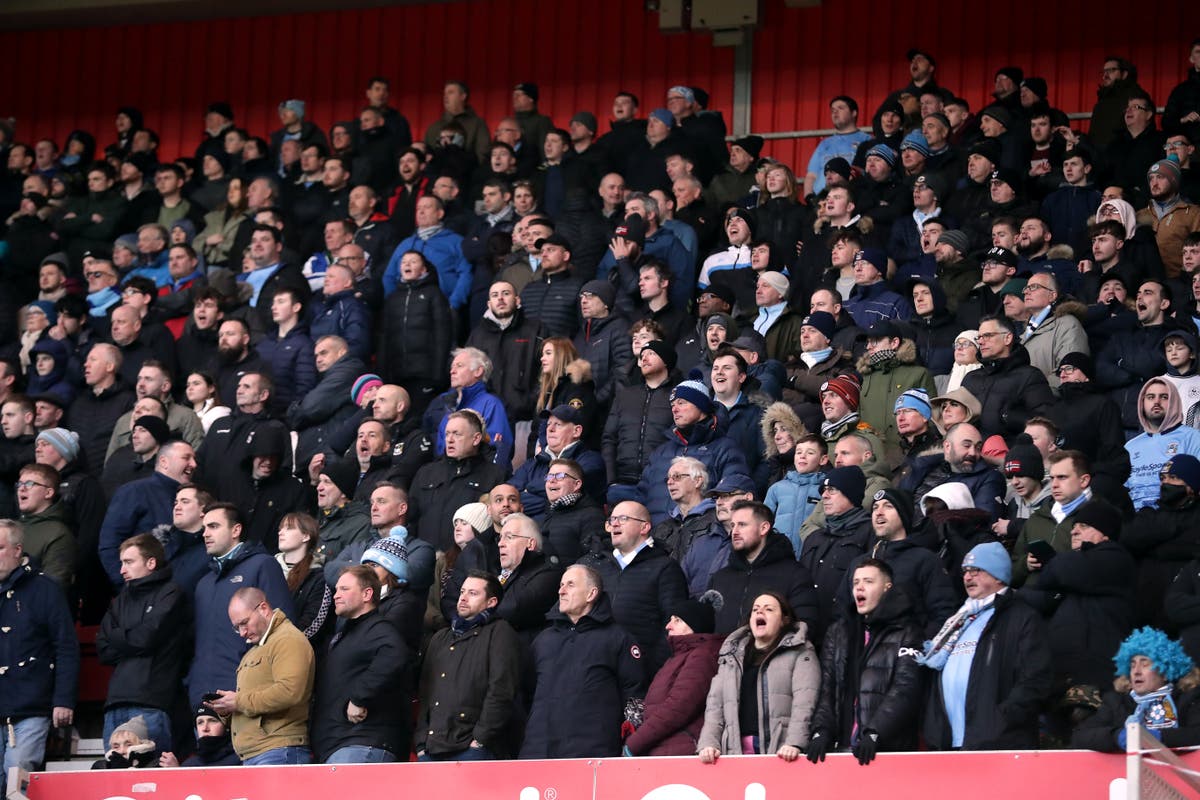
x=794, y=498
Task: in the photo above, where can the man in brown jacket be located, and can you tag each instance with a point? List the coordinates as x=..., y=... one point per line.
x=274, y=684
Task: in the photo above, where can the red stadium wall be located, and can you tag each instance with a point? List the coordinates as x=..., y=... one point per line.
x=579, y=52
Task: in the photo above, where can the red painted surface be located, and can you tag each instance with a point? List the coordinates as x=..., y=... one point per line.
x=1050, y=775
x=580, y=52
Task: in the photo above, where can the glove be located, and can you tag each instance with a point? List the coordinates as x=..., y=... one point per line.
x=867, y=747
x=818, y=746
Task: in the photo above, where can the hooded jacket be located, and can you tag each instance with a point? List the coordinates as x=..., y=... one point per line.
x=50, y=538
x=793, y=498
x=55, y=383
x=883, y=383
x=586, y=671
x=514, y=351
x=1148, y=451
x=789, y=679
x=874, y=687
x=674, y=706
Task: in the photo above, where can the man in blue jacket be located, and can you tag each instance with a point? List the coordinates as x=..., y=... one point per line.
x=441, y=246
x=469, y=373
x=39, y=656
x=235, y=565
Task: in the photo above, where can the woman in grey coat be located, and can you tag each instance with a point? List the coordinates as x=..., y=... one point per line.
x=768, y=677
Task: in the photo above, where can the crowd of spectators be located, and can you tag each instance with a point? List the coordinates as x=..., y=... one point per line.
x=595, y=442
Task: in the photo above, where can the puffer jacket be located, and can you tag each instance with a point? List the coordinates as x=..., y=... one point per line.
x=554, y=300
x=639, y=422
x=775, y=569
x=1126, y=363
x=414, y=338
x=290, y=361
x=674, y=705
x=345, y=315
x=604, y=343
x=793, y=499
x=919, y=572
x=883, y=383
x=705, y=441
x=788, y=685
x=1010, y=392
x=876, y=687
x=679, y=531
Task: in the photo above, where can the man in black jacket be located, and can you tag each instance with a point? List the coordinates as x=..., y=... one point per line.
x=529, y=577
x=831, y=549
x=360, y=712
x=588, y=667
x=992, y=662
x=467, y=713
x=870, y=678
x=98, y=407
x=147, y=637
x=641, y=415
x=762, y=560
x=513, y=341
x=222, y=462
x=641, y=580
x=415, y=335
x=1009, y=389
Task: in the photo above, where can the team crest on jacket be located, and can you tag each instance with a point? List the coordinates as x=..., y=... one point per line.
x=1172, y=448
x=575, y=403
x=635, y=651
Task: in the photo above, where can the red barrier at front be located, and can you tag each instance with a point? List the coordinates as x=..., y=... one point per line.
x=1029, y=775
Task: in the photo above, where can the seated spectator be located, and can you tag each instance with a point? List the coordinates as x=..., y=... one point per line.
x=214, y=747
x=880, y=679
x=963, y=710
x=775, y=646
x=129, y=747
x=1155, y=687
x=1163, y=436
x=673, y=712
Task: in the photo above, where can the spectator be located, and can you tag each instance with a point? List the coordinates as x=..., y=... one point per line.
x=49, y=534
x=512, y=341
x=298, y=541
x=1161, y=536
x=214, y=748
x=963, y=462
x=441, y=247
x=591, y=728
x=1009, y=390
x=1016, y=670
x=1163, y=436
x=97, y=409
x=880, y=678
x=470, y=370
x=604, y=339
x=890, y=370
x=287, y=351
x=270, y=705
x=774, y=647
x=844, y=536
x=530, y=578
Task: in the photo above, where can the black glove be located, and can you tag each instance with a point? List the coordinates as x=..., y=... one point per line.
x=818, y=746
x=867, y=747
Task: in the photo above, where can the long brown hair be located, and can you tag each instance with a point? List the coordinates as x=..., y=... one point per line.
x=308, y=526
x=564, y=353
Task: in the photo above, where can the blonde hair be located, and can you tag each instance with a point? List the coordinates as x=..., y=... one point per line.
x=564, y=354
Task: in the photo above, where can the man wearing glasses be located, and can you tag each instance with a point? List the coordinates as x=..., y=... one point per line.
x=1053, y=330
x=48, y=534
x=274, y=684
x=642, y=581
x=1011, y=390
x=1136, y=146
x=573, y=524
x=1118, y=81
x=102, y=279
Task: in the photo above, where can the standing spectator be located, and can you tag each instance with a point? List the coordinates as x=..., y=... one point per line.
x=49, y=533
x=587, y=669
x=270, y=705
x=361, y=694
x=287, y=352
x=339, y=311
x=146, y=637
x=604, y=339
x=415, y=332
x=1163, y=437
x=843, y=112
x=98, y=407
x=481, y=655
x=1162, y=537
x=992, y=654
x=441, y=246
x=41, y=652
x=846, y=534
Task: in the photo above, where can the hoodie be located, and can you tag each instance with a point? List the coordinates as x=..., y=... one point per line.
x=1156, y=445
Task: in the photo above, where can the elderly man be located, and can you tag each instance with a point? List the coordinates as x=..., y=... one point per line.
x=95, y=412
x=644, y=581
x=529, y=577
x=993, y=665
x=274, y=684
x=470, y=369
x=40, y=689
x=1053, y=330
x=564, y=439
x=586, y=663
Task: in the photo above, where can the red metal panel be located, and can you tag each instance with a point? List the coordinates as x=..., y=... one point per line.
x=579, y=52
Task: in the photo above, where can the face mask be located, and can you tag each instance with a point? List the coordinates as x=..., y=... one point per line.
x=69, y=160
x=1172, y=496
x=208, y=747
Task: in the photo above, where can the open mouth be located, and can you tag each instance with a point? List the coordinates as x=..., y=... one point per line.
x=860, y=599
x=759, y=623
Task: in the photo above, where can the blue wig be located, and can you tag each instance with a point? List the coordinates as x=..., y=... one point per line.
x=1167, y=655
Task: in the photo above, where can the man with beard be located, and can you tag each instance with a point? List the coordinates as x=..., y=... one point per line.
x=235, y=357
x=1127, y=361
x=1170, y=216
x=1163, y=435
x=963, y=463
x=1038, y=254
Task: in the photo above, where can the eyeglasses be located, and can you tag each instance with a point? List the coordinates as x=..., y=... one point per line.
x=1169, y=146
x=963, y=345
x=677, y=476
x=992, y=334
x=31, y=484
x=508, y=537
x=1066, y=369
x=620, y=519
x=1033, y=287
x=971, y=570
x=558, y=476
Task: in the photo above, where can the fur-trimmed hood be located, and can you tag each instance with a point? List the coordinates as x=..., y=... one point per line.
x=1187, y=683
x=1071, y=307
x=862, y=225
x=906, y=353
x=1062, y=251
x=779, y=414
x=579, y=370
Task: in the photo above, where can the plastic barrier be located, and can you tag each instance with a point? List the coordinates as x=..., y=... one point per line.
x=1029, y=775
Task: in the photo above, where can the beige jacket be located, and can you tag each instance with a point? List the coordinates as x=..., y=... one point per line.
x=274, y=686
